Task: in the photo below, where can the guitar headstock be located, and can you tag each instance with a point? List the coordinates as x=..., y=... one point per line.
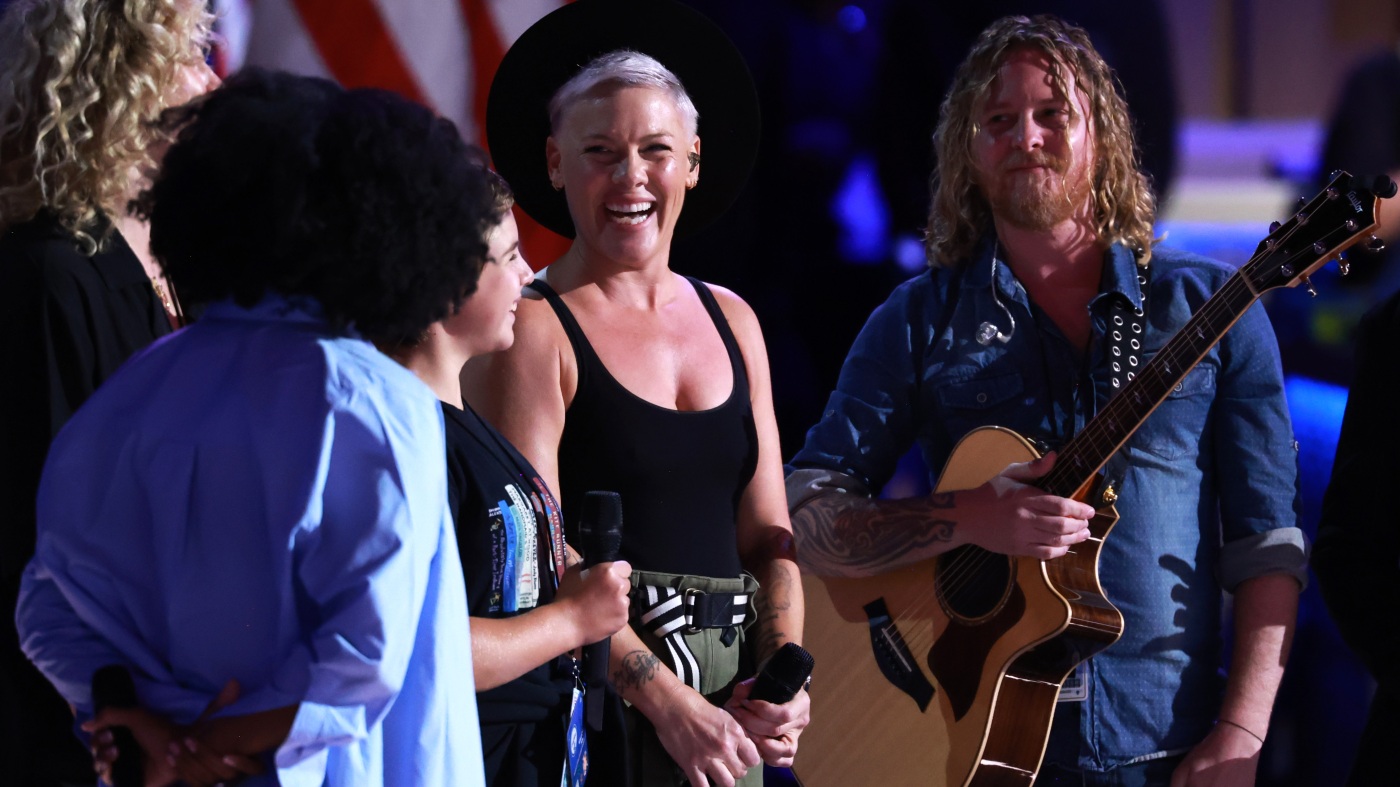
x=1337, y=218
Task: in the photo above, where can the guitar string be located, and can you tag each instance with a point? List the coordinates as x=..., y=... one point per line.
x=966, y=566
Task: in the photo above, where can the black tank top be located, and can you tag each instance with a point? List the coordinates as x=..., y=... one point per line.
x=680, y=473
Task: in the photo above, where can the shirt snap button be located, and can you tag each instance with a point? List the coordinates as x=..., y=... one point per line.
x=981, y=398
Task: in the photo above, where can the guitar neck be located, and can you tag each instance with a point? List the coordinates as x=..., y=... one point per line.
x=1087, y=452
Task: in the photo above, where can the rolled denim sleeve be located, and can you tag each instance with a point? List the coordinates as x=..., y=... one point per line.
x=1256, y=459
x=870, y=419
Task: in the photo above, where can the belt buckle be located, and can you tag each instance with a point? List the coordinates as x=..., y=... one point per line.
x=687, y=606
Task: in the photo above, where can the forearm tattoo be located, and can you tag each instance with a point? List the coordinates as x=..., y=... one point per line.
x=847, y=535
x=774, y=600
x=637, y=669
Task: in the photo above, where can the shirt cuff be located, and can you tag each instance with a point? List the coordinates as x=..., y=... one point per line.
x=316, y=728
x=807, y=483
x=1280, y=551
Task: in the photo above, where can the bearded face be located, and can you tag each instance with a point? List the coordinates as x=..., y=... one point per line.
x=1033, y=150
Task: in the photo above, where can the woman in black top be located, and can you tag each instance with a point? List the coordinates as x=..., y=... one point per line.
x=528, y=613
x=632, y=378
x=79, y=290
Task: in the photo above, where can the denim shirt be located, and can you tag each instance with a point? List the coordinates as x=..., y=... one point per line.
x=1208, y=486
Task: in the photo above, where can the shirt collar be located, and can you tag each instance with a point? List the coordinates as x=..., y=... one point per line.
x=1122, y=275
x=115, y=263
x=1120, y=271
x=979, y=267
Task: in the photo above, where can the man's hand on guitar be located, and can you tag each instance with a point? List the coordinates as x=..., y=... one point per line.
x=774, y=729
x=1009, y=516
x=1228, y=756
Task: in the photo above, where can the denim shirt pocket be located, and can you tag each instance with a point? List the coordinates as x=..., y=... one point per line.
x=971, y=402
x=1175, y=428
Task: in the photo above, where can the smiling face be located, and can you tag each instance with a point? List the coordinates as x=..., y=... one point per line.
x=1033, y=149
x=486, y=321
x=621, y=154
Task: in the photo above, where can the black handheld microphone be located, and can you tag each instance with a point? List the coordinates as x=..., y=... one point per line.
x=784, y=675
x=600, y=540
x=112, y=688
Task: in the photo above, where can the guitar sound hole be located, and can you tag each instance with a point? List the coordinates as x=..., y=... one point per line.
x=971, y=582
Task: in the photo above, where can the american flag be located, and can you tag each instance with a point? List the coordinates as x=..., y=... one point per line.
x=442, y=53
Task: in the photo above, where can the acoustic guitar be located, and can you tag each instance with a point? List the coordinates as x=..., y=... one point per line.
x=947, y=672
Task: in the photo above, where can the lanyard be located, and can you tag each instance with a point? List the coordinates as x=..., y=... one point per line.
x=549, y=524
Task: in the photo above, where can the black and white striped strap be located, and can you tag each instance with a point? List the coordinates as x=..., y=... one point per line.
x=670, y=614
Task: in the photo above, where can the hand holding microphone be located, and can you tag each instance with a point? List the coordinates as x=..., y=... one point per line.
x=112, y=687
x=600, y=531
x=785, y=673
x=775, y=729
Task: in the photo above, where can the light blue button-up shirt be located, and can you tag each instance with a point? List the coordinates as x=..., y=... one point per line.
x=257, y=498
x=1208, y=487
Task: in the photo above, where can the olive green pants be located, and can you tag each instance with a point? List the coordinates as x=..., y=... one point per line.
x=721, y=666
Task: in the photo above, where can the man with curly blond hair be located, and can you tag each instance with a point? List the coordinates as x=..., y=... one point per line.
x=1040, y=247
x=80, y=82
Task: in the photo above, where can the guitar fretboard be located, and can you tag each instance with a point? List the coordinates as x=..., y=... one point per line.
x=1087, y=451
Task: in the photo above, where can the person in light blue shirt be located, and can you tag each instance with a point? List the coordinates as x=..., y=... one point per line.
x=1041, y=250
x=262, y=496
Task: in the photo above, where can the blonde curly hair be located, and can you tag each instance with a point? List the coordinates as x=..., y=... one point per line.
x=80, y=83
x=1124, y=206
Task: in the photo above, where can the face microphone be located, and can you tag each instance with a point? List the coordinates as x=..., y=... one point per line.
x=600, y=541
x=784, y=675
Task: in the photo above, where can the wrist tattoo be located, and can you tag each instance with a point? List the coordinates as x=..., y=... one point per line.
x=638, y=668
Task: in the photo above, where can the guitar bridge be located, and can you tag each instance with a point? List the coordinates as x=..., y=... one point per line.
x=892, y=656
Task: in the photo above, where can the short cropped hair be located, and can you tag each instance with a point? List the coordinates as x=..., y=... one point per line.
x=623, y=68
x=363, y=200
x=80, y=83
x=1124, y=207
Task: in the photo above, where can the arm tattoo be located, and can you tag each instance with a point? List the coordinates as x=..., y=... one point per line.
x=847, y=535
x=773, y=600
x=637, y=669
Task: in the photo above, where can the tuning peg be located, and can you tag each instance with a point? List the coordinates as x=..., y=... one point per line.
x=1301, y=202
x=1343, y=266
x=1374, y=243
x=1273, y=227
x=1307, y=282
x=1383, y=187
x=1333, y=193
x=1334, y=174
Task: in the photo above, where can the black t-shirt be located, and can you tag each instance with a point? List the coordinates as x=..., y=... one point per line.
x=507, y=527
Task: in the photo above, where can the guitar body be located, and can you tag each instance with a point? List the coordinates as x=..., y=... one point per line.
x=947, y=672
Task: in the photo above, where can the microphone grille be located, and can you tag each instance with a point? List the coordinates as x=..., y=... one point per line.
x=600, y=525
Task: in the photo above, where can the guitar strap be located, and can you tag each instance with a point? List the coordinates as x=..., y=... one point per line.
x=1125, y=333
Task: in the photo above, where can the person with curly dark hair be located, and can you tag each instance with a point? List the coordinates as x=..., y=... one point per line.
x=262, y=496
x=80, y=81
x=531, y=607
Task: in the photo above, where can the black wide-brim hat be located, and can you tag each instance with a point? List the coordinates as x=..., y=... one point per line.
x=681, y=39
